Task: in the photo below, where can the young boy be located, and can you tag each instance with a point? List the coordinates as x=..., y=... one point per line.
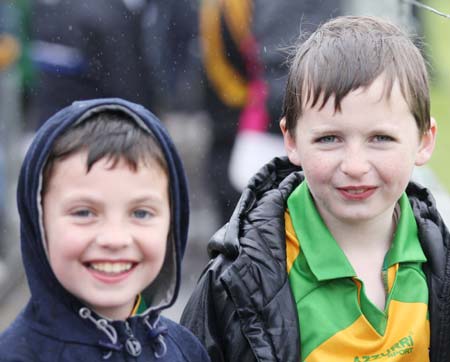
x=332, y=254
x=104, y=218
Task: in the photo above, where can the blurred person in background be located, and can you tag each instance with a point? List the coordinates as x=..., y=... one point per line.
x=242, y=45
x=13, y=74
x=171, y=53
x=9, y=52
x=86, y=49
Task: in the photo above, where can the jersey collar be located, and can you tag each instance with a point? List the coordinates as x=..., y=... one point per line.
x=325, y=257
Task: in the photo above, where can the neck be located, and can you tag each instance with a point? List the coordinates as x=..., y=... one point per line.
x=362, y=238
x=114, y=313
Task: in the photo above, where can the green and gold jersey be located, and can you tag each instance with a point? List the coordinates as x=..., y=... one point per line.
x=338, y=323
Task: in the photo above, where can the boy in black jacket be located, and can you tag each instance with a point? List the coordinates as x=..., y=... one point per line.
x=333, y=254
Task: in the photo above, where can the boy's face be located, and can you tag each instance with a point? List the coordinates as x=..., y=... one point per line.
x=358, y=161
x=106, y=230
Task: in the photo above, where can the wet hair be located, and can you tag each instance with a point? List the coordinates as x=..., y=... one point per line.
x=111, y=134
x=350, y=52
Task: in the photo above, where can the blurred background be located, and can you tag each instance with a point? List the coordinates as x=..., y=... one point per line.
x=212, y=70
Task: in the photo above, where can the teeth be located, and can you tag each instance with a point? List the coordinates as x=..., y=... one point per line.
x=111, y=268
x=355, y=191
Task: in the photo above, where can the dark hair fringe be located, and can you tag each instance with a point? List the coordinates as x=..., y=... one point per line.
x=114, y=135
x=350, y=52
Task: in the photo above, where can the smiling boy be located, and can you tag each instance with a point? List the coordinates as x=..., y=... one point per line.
x=104, y=218
x=357, y=166
x=332, y=253
x=128, y=251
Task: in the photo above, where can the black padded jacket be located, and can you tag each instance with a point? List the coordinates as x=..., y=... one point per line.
x=243, y=309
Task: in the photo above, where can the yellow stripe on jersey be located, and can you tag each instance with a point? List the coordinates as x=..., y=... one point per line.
x=391, y=273
x=292, y=246
x=136, y=305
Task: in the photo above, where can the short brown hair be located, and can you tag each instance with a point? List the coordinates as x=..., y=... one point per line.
x=350, y=52
x=111, y=134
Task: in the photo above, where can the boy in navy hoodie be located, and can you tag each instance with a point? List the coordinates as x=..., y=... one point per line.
x=104, y=214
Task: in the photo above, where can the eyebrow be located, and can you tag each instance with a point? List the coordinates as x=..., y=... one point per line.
x=146, y=198
x=324, y=129
x=151, y=197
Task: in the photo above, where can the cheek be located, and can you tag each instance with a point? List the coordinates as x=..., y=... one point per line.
x=155, y=251
x=61, y=256
x=319, y=169
x=64, y=244
x=60, y=253
x=396, y=169
x=155, y=243
x=154, y=258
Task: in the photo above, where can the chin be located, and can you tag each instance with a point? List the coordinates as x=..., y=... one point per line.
x=355, y=217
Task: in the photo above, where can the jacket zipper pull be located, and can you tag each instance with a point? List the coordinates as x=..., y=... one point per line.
x=132, y=345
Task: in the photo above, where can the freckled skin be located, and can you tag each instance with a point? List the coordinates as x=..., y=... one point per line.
x=372, y=144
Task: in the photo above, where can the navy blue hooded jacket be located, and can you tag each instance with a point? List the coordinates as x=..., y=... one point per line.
x=56, y=326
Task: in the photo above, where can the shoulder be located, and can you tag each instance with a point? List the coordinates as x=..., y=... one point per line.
x=252, y=243
x=433, y=232
x=258, y=216
x=185, y=342
x=209, y=303
x=22, y=342
x=179, y=333
x=16, y=343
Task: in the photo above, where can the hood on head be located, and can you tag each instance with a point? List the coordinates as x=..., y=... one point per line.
x=43, y=284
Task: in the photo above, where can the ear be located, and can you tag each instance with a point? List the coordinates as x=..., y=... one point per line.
x=289, y=144
x=427, y=144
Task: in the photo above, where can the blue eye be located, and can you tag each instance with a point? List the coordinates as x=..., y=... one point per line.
x=141, y=214
x=383, y=138
x=82, y=213
x=327, y=139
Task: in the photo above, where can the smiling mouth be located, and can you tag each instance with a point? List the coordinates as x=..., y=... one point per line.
x=111, y=268
x=357, y=193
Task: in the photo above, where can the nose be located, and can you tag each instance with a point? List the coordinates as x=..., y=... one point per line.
x=355, y=162
x=114, y=235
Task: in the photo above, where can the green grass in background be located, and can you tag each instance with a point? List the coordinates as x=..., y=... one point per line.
x=437, y=36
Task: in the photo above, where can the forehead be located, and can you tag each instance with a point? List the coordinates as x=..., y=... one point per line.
x=380, y=93
x=316, y=96
x=75, y=167
x=373, y=106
